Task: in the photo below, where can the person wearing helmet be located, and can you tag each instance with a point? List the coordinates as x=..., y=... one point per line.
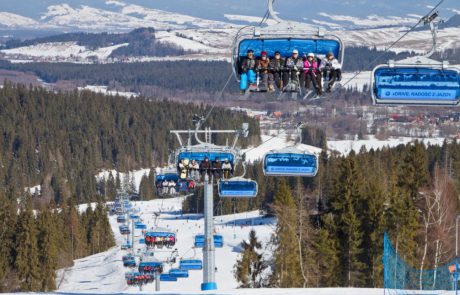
x=276, y=66
x=226, y=168
x=312, y=73
x=294, y=65
x=331, y=69
x=247, y=71
x=263, y=65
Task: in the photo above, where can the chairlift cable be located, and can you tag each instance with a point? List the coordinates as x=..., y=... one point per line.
x=422, y=19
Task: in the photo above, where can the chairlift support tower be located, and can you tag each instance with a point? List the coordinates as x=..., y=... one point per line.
x=209, y=276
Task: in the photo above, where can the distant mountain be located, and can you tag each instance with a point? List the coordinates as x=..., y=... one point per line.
x=115, y=15
x=453, y=22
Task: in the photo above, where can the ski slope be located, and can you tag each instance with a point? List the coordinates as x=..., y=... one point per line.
x=104, y=272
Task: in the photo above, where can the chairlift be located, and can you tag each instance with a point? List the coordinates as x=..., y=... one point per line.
x=167, y=278
x=134, y=216
x=291, y=161
x=284, y=36
x=237, y=188
x=160, y=237
x=417, y=80
x=191, y=264
x=200, y=241
x=150, y=267
x=178, y=273
x=124, y=230
x=140, y=225
x=121, y=218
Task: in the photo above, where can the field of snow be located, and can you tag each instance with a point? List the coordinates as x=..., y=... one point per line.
x=344, y=147
x=12, y=20
x=350, y=81
x=69, y=50
x=104, y=90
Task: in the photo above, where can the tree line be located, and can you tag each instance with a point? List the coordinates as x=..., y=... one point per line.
x=62, y=140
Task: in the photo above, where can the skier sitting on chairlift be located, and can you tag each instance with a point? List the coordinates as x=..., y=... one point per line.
x=276, y=65
x=227, y=169
x=331, y=69
x=312, y=73
x=248, y=74
x=263, y=65
x=295, y=75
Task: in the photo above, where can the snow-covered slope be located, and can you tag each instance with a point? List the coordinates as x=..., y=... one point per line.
x=67, y=50
x=11, y=20
x=344, y=147
x=104, y=273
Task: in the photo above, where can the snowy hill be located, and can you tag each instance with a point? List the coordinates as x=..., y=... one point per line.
x=65, y=50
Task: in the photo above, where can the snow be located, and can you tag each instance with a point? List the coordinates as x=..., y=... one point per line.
x=184, y=43
x=104, y=90
x=104, y=272
x=34, y=189
x=373, y=20
x=248, y=19
x=344, y=147
x=358, y=82
x=14, y=20
x=62, y=50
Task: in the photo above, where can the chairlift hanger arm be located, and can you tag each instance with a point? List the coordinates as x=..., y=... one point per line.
x=273, y=12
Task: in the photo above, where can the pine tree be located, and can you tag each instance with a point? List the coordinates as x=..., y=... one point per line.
x=47, y=244
x=347, y=204
x=250, y=267
x=327, y=248
x=27, y=258
x=286, y=264
x=8, y=215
